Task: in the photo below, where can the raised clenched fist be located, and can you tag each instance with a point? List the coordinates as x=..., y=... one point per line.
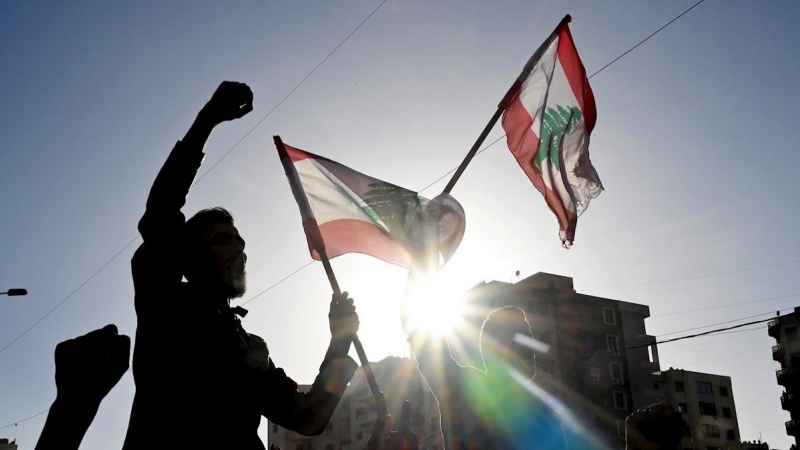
x=230, y=101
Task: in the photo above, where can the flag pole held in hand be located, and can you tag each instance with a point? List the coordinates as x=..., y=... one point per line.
x=316, y=242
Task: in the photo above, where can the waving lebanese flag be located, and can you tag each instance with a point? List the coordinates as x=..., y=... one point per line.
x=345, y=211
x=550, y=113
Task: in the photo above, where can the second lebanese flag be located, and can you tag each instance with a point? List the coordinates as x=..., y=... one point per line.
x=345, y=211
x=550, y=113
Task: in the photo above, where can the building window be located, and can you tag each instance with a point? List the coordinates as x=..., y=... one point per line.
x=687, y=431
x=679, y=386
x=612, y=343
x=359, y=436
x=704, y=388
x=731, y=435
x=656, y=386
x=616, y=372
x=711, y=431
x=595, y=373
x=621, y=429
x=329, y=427
x=708, y=409
x=619, y=400
x=609, y=318
x=723, y=391
x=726, y=412
x=682, y=408
x=791, y=333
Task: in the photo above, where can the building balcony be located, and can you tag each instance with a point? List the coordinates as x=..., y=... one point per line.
x=787, y=376
x=778, y=352
x=788, y=401
x=773, y=328
x=793, y=428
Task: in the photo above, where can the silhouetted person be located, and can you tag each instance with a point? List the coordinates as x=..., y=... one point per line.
x=488, y=409
x=656, y=427
x=87, y=368
x=201, y=380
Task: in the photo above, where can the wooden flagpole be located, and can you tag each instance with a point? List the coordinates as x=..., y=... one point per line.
x=315, y=238
x=362, y=356
x=475, y=148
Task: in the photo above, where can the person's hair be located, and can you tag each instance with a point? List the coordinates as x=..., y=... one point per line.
x=193, y=236
x=197, y=225
x=499, y=329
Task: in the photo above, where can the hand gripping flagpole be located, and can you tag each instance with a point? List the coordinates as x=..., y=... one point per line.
x=315, y=239
x=515, y=88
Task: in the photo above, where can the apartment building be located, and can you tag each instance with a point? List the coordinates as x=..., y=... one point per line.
x=786, y=351
x=706, y=404
x=6, y=444
x=587, y=367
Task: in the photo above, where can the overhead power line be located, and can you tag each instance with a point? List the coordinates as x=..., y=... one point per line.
x=646, y=39
x=69, y=296
x=728, y=321
x=704, y=333
x=13, y=424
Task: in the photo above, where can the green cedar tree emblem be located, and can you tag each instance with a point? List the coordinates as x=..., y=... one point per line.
x=396, y=207
x=555, y=123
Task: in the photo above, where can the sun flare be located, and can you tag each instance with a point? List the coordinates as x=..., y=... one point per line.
x=434, y=306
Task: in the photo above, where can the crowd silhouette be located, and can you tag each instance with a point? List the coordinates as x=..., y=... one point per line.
x=205, y=381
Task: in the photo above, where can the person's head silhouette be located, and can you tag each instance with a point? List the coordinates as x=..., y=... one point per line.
x=214, y=253
x=499, y=344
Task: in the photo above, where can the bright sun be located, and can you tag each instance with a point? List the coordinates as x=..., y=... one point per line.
x=434, y=306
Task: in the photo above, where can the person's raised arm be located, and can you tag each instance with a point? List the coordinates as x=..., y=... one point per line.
x=87, y=368
x=163, y=219
x=157, y=263
x=309, y=412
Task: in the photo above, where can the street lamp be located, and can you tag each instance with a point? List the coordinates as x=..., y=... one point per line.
x=15, y=292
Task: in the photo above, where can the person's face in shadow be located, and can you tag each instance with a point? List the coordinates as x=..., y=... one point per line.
x=224, y=257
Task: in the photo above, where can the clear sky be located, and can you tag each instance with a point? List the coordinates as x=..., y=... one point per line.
x=695, y=143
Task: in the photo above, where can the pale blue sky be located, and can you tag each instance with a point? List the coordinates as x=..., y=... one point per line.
x=695, y=143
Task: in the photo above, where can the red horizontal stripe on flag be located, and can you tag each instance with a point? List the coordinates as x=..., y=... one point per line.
x=356, y=236
x=295, y=154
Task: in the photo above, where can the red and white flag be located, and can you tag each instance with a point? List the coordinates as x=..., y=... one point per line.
x=345, y=211
x=549, y=115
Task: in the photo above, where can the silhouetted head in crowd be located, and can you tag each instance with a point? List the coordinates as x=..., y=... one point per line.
x=499, y=344
x=214, y=253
